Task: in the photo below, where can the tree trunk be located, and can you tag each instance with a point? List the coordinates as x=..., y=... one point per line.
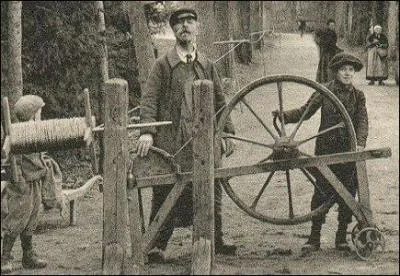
x=221, y=16
x=349, y=20
x=101, y=28
x=14, y=84
x=340, y=18
x=142, y=43
x=244, y=51
x=393, y=28
x=360, y=22
x=393, y=37
x=256, y=23
x=213, y=18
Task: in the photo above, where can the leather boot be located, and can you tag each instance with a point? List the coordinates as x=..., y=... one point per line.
x=29, y=257
x=156, y=255
x=220, y=246
x=314, y=240
x=6, y=258
x=223, y=248
x=341, y=243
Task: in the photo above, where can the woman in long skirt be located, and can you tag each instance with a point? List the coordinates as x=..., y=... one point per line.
x=377, y=64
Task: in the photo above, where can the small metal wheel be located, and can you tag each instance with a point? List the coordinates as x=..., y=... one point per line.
x=369, y=241
x=281, y=196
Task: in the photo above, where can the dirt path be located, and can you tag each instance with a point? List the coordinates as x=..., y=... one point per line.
x=263, y=248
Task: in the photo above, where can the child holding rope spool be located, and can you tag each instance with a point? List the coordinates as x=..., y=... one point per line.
x=24, y=195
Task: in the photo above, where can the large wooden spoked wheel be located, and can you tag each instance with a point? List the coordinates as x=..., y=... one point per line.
x=251, y=112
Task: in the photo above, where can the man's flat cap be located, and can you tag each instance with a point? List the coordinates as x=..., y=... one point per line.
x=343, y=58
x=182, y=13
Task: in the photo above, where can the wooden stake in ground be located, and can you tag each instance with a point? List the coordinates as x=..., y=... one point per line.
x=115, y=228
x=203, y=178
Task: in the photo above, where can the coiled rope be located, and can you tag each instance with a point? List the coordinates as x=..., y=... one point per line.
x=55, y=134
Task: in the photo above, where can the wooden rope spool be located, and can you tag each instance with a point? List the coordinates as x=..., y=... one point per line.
x=55, y=134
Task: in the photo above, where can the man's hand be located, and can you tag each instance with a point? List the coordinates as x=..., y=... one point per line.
x=144, y=143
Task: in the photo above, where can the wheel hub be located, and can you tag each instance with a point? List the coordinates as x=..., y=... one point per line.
x=285, y=148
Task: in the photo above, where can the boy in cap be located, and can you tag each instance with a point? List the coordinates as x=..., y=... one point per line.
x=344, y=66
x=24, y=195
x=168, y=96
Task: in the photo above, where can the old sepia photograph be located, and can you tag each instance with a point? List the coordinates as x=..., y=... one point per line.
x=200, y=138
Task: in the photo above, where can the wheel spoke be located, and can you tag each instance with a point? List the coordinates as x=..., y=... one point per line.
x=228, y=135
x=303, y=116
x=254, y=204
x=304, y=154
x=314, y=182
x=291, y=214
x=259, y=119
x=279, y=84
x=340, y=125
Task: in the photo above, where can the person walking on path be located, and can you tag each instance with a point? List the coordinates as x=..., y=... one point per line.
x=168, y=96
x=326, y=40
x=377, y=51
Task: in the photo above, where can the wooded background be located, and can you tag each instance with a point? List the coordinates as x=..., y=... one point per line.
x=55, y=49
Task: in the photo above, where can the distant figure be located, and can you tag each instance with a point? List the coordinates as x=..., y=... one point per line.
x=326, y=40
x=302, y=27
x=377, y=64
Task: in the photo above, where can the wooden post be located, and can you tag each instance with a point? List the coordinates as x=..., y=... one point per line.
x=72, y=212
x=203, y=178
x=115, y=245
x=363, y=189
x=7, y=130
x=135, y=223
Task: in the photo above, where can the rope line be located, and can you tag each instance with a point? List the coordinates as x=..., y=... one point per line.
x=55, y=134
x=263, y=32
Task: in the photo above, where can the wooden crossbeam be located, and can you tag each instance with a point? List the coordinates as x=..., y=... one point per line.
x=269, y=166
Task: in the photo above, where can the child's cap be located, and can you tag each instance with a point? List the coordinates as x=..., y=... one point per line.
x=26, y=107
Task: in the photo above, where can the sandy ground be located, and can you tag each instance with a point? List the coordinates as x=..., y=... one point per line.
x=263, y=248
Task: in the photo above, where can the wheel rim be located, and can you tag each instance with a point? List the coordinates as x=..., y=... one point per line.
x=369, y=241
x=280, y=142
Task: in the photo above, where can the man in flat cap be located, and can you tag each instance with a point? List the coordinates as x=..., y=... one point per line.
x=344, y=66
x=168, y=97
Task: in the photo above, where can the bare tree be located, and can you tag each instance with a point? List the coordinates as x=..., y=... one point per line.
x=244, y=52
x=359, y=18
x=340, y=17
x=214, y=18
x=393, y=36
x=256, y=22
x=14, y=84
